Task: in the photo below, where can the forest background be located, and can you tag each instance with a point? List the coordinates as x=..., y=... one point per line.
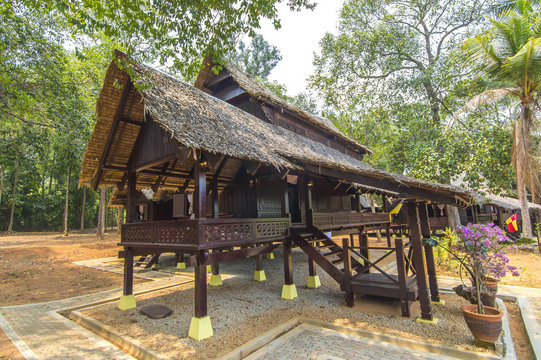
x=391, y=78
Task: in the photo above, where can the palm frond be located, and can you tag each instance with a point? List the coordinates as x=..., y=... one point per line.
x=487, y=96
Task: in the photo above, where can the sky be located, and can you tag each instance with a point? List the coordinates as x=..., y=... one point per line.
x=298, y=39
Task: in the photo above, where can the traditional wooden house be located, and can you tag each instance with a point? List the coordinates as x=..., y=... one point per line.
x=233, y=171
x=488, y=209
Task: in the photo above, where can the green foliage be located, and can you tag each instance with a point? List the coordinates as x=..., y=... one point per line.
x=395, y=72
x=180, y=32
x=258, y=59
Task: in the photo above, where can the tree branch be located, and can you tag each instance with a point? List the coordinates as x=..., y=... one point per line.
x=27, y=121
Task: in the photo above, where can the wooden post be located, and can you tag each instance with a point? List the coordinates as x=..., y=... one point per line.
x=200, y=194
x=429, y=254
x=200, y=287
x=358, y=207
x=288, y=263
x=363, y=244
x=402, y=281
x=131, y=200
x=285, y=199
x=308, y=203
x=215, y=202
x=388, y=233
x=128, y=272
x=419, y=261
x=346, y=286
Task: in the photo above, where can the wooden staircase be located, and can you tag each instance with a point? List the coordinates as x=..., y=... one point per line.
x=350, y=267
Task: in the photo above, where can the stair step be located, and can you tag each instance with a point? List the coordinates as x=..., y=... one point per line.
x=306, y=235
x=337, y=261
x=332, y=253
x=323, y=247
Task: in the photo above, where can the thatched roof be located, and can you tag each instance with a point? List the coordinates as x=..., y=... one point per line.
x=507, y=203
x=199, y=121
x=259, y=92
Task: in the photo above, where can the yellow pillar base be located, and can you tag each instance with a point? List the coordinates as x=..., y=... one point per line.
x=259, y=275
x=270, y=256
x=209, y=269
x=181, y=266
x=200, y=328
x=313, y=282
x=126, y=302
x=441, y=302
x=419, y=319
x=289, y=292
x=216, y=280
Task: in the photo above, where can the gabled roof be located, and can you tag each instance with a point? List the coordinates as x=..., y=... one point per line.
x=199, y=121
x=507, y=203
x=259, y=92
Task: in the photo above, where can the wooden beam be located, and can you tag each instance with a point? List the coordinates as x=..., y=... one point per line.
x=111, y=135
x=200, y=194
x=130, y=121
x=156, y=162
x=383, y=184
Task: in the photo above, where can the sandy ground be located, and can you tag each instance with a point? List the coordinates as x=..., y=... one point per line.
x=243, y=309
x=529, y=264
x=38, y=267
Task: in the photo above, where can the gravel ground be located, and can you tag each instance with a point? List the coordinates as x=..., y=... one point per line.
x=243, y=309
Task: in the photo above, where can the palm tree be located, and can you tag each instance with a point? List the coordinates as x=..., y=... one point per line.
x=509, y=54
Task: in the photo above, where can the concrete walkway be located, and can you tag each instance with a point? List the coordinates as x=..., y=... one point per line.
x=40, y=332
x=529, y=302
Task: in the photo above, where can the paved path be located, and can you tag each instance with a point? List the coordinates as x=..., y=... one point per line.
x=40, y=332
x=529, y=302
x=311, y=342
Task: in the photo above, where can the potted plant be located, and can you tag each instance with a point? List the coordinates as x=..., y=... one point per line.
x=480, y=250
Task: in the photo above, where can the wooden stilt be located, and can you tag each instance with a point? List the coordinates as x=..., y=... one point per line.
x=419, y=261
x=128, y=272
x=127, y=300
x=346, y=286
x=288, y=263
x=429, y=254
x=402, y=278
x=200, y=289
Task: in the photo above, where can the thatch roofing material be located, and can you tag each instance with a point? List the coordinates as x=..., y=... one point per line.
x=508, y=203
x=200, y=121
x=259, y=92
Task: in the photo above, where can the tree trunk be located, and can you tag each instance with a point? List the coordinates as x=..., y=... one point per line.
x=453, y=217
x=51, y=173
x=101, y=214
x=522, y=168
x=118, y=219
x=83, y=209
x=67, y=203
x=1, y=183
x=13, y=194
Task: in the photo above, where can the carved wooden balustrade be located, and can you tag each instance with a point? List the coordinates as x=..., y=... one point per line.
x=348, y=219
x=204, y=233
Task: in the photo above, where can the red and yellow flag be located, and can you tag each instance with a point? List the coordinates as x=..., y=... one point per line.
x=512, y=223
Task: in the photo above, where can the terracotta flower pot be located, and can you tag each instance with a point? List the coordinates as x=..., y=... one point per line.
x=485, y=327
x=490, y=284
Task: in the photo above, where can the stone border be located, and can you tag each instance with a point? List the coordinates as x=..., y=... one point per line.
x=263, y=340
x=124, y=343
x=530, y=324
x=26, y=352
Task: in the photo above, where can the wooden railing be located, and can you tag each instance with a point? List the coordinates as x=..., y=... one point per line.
x=205, y=233
x=348, y=219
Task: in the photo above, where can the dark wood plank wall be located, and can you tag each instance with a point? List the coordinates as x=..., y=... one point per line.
x=152, y=144
x=269, y=196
